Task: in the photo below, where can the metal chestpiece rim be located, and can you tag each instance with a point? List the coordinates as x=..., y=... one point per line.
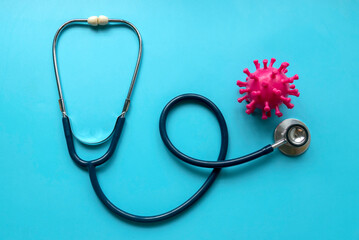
x=296, y=136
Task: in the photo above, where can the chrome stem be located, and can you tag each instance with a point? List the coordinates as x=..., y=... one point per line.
x=279, y=143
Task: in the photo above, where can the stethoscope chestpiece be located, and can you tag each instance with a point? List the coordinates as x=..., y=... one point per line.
x=292, y=137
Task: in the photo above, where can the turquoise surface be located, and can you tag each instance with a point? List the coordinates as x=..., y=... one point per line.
x=189, y=46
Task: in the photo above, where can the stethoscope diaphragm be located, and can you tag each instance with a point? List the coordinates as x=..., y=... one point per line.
x=293, y=137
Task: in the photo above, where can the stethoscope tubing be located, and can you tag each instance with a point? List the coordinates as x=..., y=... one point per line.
x=91, y=165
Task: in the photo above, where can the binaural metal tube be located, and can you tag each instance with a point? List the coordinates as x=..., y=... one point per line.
x=58, y=82
x=54, y=57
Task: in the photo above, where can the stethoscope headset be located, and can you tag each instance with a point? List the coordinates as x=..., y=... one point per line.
x=291, y=136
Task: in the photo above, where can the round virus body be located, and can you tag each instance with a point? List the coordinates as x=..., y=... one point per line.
x=267, y=88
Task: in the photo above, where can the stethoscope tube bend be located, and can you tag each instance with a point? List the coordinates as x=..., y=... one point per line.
x=71, y=147
x=220, y=163
x=224, y=135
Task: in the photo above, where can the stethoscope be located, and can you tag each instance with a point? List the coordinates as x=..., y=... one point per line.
x=291, y=136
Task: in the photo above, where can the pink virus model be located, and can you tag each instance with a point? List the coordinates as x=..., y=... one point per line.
x=267, y=88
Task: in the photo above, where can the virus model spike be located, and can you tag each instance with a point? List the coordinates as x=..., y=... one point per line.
x=242, y=98
x=265, y=62
x=267, y=88
x=283, y=67
x=246, y=71
x=264, y=114
x=272, y=61
x=257, y=64
x=241, y=84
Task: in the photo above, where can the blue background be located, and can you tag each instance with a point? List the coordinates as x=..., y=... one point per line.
x=189, y=46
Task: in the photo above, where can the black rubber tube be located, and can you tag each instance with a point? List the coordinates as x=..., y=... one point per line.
x=71, y=147
x=224, y=135
x=220, y=163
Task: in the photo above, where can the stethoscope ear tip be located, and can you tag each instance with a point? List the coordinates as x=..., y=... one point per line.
x=292, y=137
